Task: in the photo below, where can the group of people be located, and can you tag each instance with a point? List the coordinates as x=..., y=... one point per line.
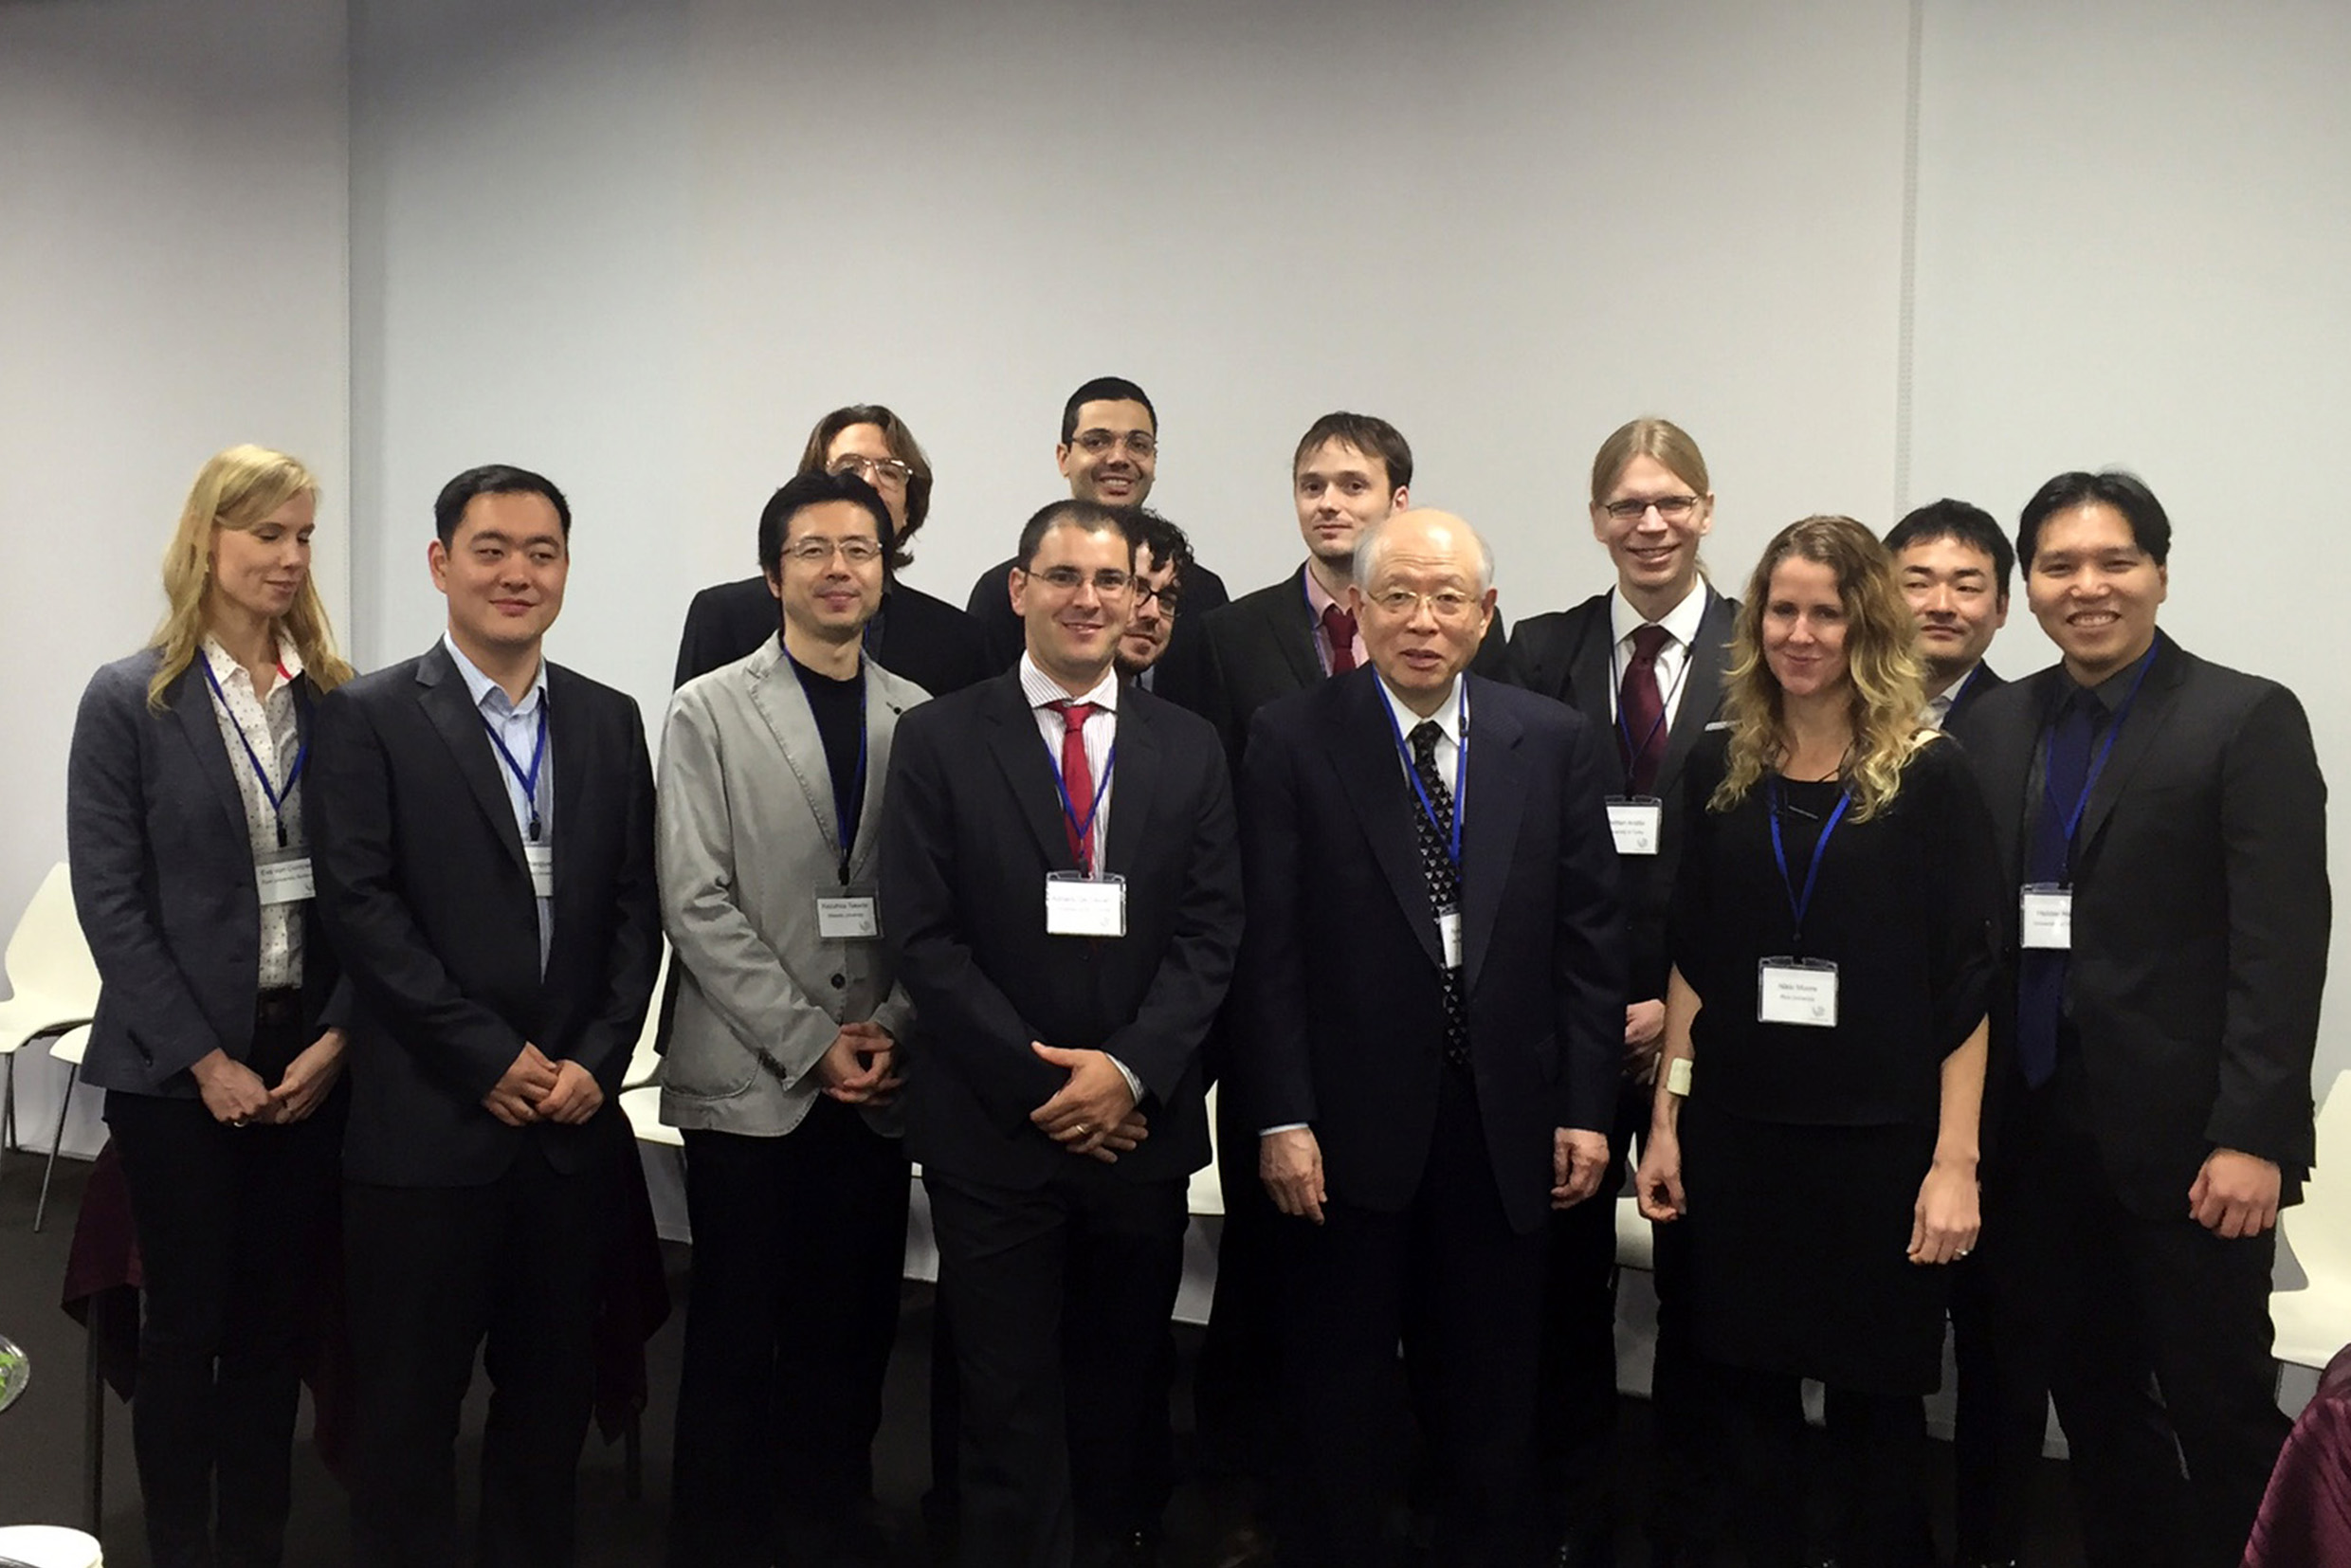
x=1777, y=893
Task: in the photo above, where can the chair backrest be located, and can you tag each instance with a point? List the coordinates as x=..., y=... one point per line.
x=70, y=1047
x=47, y=952
x=2320, y=1226
x=645, y=1062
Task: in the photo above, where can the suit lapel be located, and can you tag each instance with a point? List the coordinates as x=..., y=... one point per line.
x=784, y=708
x=2141, y=726
x=882, y=711
x=191, y=699
x=1494, y=795
x=1293, y=630
x=442, y=692
x=1364, y=754
x=1135, y=783
x=1701, y=688
x=1018, y=747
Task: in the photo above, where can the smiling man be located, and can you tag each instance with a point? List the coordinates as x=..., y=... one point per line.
x=1955, y=565
x=1162, y=557
x=2162, y=823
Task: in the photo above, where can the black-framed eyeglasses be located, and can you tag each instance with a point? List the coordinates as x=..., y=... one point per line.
x=1671, y=508
x=875, y=470
x=1169, y=597
x=1138, y=444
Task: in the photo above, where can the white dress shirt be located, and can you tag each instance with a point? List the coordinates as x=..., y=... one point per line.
x=1673, y=660
x=516, y=725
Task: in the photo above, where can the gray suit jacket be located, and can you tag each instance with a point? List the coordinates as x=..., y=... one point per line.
x=745, y=843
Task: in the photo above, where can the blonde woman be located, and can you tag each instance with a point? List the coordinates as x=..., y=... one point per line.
x=1816, y=1110
x=215, y=1038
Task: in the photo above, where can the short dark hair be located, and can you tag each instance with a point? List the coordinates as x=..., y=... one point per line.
x=1104, y=389
x=1963, y=523
x=1092, y=516
x=1368, y=434
x=902, y=447
x=2150, y=525
x=493, y=478
x=803, y=491
x=1146, y=529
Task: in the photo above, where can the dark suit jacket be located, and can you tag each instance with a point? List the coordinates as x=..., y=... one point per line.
x=1565, y=655
x=1262, y=646
x=1341, y=993
x=990, y=605
x=974, y=826
x=425, y=891
x=1985, y=681
x=2200, y=913
x=163, y=883
x=926, y=640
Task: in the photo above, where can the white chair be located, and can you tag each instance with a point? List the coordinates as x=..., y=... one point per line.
x=2314, y=1323
x=49, y=1546
x=644, y=1061
x=52, y=982
x=68, y=1047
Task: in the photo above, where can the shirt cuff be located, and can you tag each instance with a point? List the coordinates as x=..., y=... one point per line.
x=1284, y=1128
x=1134, y=1084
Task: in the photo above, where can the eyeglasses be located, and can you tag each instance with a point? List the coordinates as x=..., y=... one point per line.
x=1671, y=508
x=876, y=470
x=816, y=552
x=1445, y=604
x=1108, y=582
x=1169, y=597
x=1138, y=444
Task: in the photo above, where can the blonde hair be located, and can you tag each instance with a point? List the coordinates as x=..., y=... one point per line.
x=1887, y=680
x=236, y=488
x=1660, y=440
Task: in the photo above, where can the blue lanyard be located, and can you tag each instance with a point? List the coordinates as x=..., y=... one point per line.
x=276, y=798
x=1461, y=764
x=1615, y=686
x=842, y=809
x=529, y=780
x=1068, y=807
x=2098, y=764
x=1798, y=905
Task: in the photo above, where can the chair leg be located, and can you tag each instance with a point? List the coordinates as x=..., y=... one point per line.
x=93, y=1430
x=57, y=1142
x=7, y=1108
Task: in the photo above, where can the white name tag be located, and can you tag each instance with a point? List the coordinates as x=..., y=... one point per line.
x=285, y=878
x=1796, y=990
x=852, y=917
x=1636, y=821
x=1449, y=937
x=1078, y=905
x=2046, y=916
x=540, y=858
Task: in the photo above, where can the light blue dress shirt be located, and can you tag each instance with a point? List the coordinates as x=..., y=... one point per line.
x=516, y=725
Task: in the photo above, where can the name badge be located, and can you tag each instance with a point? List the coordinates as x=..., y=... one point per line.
x=2046, y=918
x=1449, y=937
x=540, y=858
x=1080, y=905
x=851, y=917
x=1636, y=821
x=1796, y=990
x=285, y=878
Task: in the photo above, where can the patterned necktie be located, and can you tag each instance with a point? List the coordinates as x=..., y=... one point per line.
x=1338, y=636
x=1436, y=864
x=1077, y=777
x=2041, y=972
x=1642, y=737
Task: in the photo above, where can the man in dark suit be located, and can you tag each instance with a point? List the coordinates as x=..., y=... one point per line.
x=926, y=640
x=483, y=844
x=1956, y=565
x=1109, y=453
x=2163, y=820
x=1431, y=1035
x=1061, y=886
x=1644, y=665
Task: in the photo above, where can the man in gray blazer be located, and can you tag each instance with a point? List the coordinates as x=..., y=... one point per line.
x=784, y=1054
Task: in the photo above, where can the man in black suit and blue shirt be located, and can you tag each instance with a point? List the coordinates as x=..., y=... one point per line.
x=483, y=845
x=2164, y=824
x=1432, y=998
x=1956, y=565
x=1060, y=887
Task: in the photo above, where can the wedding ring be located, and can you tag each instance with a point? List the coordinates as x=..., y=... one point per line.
x=238, y=1123
x=1085, y=1131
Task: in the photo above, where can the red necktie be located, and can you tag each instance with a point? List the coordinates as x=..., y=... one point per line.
x=1338, y=631
x=1077, y=779
x=1642, y=734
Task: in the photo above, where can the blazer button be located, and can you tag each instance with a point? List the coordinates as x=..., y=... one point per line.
x=839, y=980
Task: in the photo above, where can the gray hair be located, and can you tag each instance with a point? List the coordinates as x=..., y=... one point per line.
x=1368, y=547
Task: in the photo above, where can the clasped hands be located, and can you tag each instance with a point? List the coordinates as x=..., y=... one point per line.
x=1093, y=1114
x=234, y=1093
x=536, y=1089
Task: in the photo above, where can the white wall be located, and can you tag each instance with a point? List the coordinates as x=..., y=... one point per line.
x=172, y=190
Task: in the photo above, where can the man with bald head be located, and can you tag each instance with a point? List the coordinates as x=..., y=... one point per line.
x=1432, y=1031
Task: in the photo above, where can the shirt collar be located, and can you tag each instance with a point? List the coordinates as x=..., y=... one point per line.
x=488, y=694
x=1449, y=717
x=226, y=669
x=1042, y=689
x=1681, y=622
x=1317, y=599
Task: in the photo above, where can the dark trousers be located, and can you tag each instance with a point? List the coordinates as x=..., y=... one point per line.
x=1236, y=1384
x=231, y=1223
x=1463, y=1291
x=1059, y=1297
x=2151, y=1334
x=1997, y=1429
x=798, y=1245
x=1874, y=1508
x=434, y=1271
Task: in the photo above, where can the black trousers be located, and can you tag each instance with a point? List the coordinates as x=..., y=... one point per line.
x=798, y=1245
x=1059, y=1297
x=435, y=1271
x=1463, y=1291
x=231, y=1222
x=1997, y=1426
x=1873, y=1506
x=1236, y=1385
x=2152, y=1334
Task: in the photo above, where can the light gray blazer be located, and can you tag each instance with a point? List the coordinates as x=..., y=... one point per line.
x=746, y=840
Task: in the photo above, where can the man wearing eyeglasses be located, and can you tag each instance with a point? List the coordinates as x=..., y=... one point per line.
x=1108, y=453
x=1163, y=559
x=783, y=1055
x=1061, y=886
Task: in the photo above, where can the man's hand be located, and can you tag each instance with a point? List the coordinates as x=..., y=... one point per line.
x=308, y=1078
x=514, y=1098
x=1578, y=1161
x=1657, y=1185
x=1121, y=1139
x=2235, y=1194
x=1290, y=1165
x=1094, y=1102
x=856, y=1068
x=233, y=1091
x=575, y=1097
x=1645, y=1035
x=1946, y=1220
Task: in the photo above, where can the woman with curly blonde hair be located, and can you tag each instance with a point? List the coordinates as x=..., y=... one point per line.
x=1815, y=1115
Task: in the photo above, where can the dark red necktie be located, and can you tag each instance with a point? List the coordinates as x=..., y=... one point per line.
x=1338, y=631
x=1077, y=779
x=1642, y=710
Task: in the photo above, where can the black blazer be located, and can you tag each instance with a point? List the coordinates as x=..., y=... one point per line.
x=2201, y=914
x=1340, y=990
x=1986, y=680
x=427, y=896
x=163, y=883
x=973, y=825
x=1564, y=655
x=925, y=640
x=990, y=605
